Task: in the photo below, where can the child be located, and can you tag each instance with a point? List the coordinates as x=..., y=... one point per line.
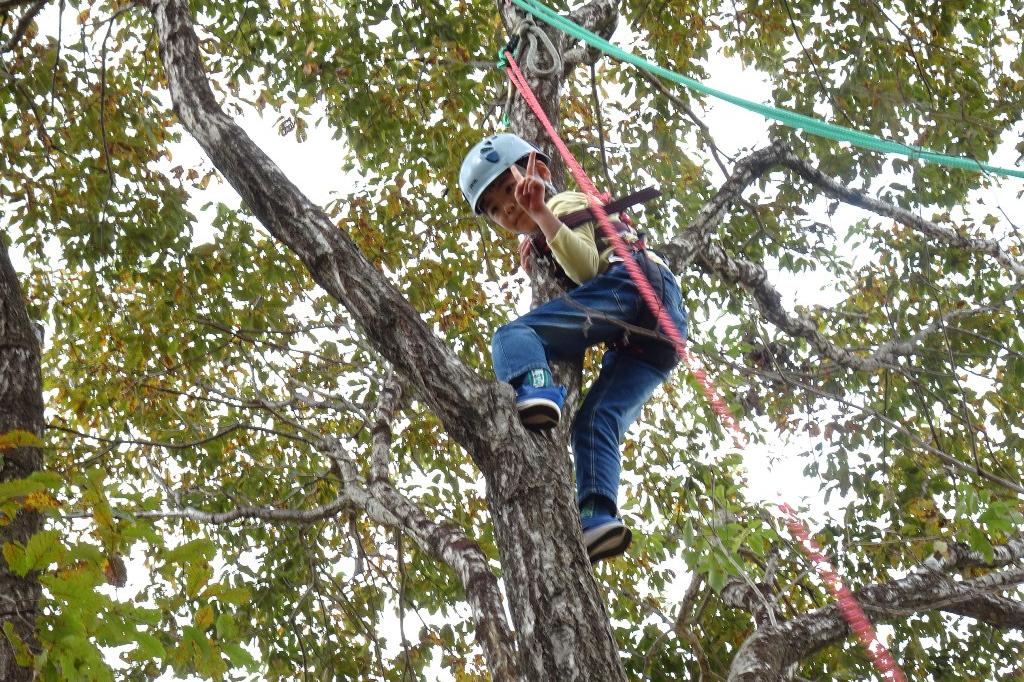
x=506, y=178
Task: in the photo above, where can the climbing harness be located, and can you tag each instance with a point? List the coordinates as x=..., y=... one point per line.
x=615, y=206
x=790, y=118
x=542, y=250
x=848, y=605
x=623, y=227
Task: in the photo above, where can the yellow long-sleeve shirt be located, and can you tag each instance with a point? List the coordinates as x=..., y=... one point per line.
x=575, y=249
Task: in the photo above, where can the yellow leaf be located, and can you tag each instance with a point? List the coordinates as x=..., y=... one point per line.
x=19, y=439
x=14, y=555
x=39, y=501
x=204, y=617
x=83, y=16
x=102, y=516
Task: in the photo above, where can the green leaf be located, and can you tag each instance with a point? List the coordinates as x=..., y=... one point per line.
x=22, y=654
x=149, y=646
x=51, y=479
x=225, y=627
x=979, y=542
x=14, y=555
x=1000, y=517
x=200, y=549
x=147, y=616
x=235, y=595
x=717, y=579
x=43, y=548
x=197, y=575
x=239, y=656
x=19, y=487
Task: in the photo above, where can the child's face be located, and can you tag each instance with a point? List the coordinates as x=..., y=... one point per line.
x=500, y=205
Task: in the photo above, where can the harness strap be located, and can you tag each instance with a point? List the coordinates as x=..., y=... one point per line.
x=586, y=214
x=543, y=250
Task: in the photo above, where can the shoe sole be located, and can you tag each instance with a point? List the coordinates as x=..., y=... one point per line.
x=539, y=413
x=610, y=544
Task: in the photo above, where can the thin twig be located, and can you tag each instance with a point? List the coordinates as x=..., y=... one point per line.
x=179, y=446
x=103, y=115
x=600, y=127
x=22, y=27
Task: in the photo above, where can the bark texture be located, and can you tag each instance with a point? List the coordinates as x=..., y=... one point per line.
x=21, y=409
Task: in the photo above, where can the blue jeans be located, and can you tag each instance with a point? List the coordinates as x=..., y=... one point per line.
x=565, y=327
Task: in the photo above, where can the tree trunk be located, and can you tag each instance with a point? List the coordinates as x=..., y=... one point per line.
x=563, y=625
x=21, y=409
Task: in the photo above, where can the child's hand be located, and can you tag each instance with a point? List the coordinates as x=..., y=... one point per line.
x=525, y=247
x=530, y=187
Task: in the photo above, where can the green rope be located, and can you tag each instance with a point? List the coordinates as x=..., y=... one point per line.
x=784, y=116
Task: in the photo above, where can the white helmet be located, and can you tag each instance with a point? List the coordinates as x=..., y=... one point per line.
x=490, y=158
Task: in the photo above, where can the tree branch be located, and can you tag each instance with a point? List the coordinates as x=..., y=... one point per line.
x=694, y=244
x=766, y=654
x=22, y=27
x=756, y=599
x=836, y=190
x=598, y=16
x=466, y=405
x=685, y=248
x=389, y=402
x=220, y=433
x=998, y=612
x=385, y=505
x=687, y=245
x=447, y=542
x=753, y=277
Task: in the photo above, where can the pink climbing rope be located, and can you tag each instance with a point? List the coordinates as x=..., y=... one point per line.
x=848, y=606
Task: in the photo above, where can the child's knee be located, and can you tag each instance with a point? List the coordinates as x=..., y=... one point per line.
x=592, y=422
x=502, y=335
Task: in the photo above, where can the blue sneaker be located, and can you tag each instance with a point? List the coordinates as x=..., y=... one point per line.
x=605, y=537
x=540, y=407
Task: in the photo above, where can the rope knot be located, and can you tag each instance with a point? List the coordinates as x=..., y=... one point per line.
x=530, y=33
